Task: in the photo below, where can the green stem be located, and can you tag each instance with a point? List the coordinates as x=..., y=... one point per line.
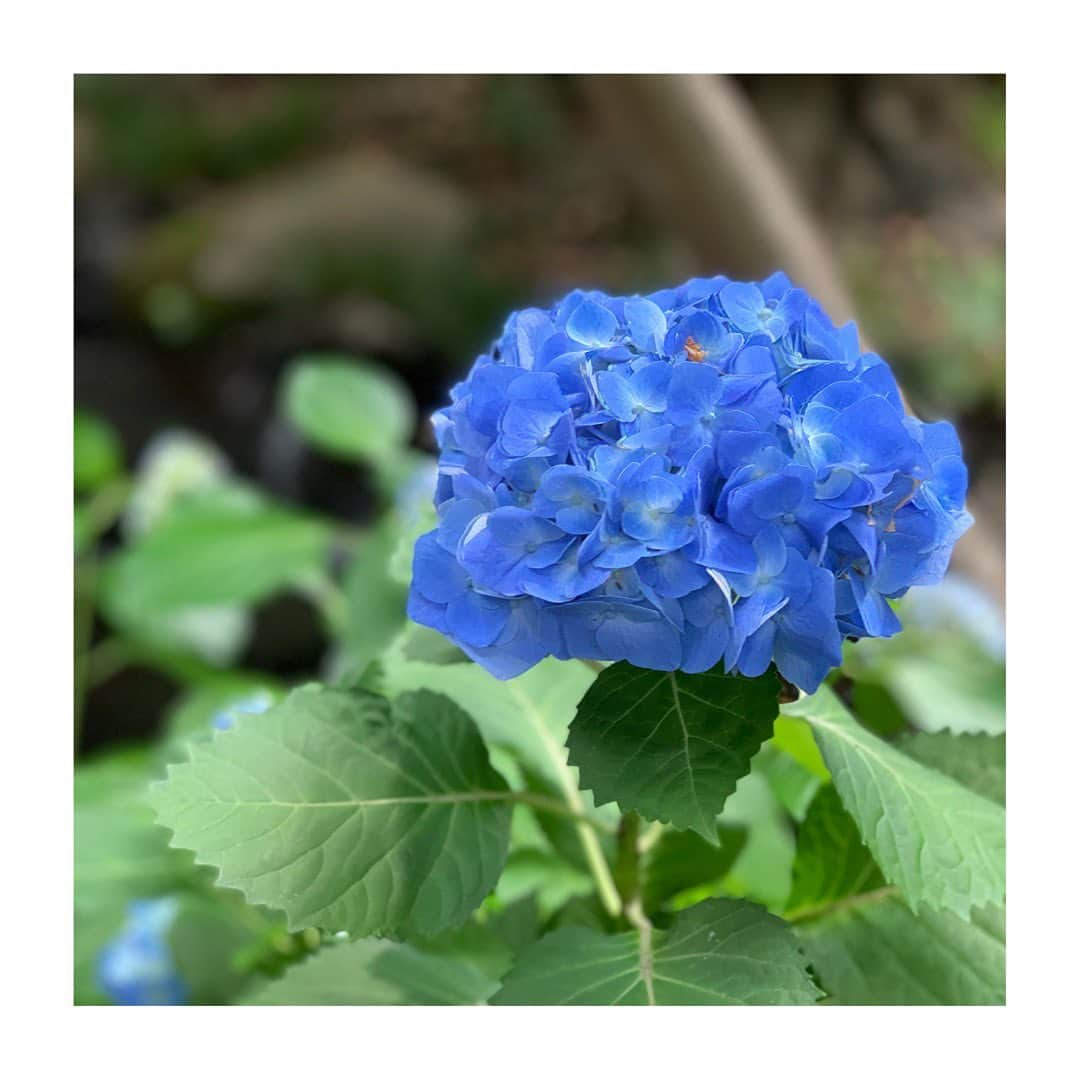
x=628, y=876
x=601, y=872
x=551, y=805
x=830, y=907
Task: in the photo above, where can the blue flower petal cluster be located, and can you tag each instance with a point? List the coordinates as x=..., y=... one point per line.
x=137, y=966
x=712, y=474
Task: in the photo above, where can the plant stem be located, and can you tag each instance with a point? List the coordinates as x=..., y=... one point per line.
x=550, y=805
x=601, y=872
x=628, y=876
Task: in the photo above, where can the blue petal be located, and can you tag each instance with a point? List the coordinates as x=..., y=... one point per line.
x=647, y=324
x=592, y=325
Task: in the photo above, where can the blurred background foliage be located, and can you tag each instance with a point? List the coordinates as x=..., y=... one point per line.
x=279, y=278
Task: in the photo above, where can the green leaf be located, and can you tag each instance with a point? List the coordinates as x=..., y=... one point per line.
x=120, y=855
x=528, y=716
x=680, y=859
x=347, y=811
x=212, y=551
x=349, y=410
x=762, y=872
x=876, y=951
x=430, y=647
x=545, y=876
x=976, y=761
x=796, y=739
x=191, y=718
x=789, y=781
x=962, y=696
x=669, y=745
x=375, y=602
x=831, y=860
x=98, y=453
x=940, y=843
x=492, y=937
x=209, y=939
x=377, y=973
x=866, y=945
x=720, y=952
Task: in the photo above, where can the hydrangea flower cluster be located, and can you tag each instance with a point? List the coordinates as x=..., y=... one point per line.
x=137, y=966
x=709, y=474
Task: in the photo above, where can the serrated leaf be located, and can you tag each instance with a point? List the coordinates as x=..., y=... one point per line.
x=720, y=952
x=377, y=973
x=528, y=716
x=212, y=551
x=346, y=811
x=866, y=945
x=940, y=843
x=976, y=761
x=831, y=860
x=347, y=409
x=878, y=952
x=669, y=745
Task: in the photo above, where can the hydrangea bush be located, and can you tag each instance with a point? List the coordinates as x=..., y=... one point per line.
x=712, y=474
x=576, y=776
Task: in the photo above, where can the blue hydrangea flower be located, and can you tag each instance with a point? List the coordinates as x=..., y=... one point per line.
x=137, y=966
x=711, y=474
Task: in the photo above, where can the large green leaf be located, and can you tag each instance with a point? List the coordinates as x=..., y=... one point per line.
x=349, y=410
x=346, y=811
x=876, y=951
x=377, y=973
x=720, y=952
x=939, y=842
x=976, y=761
x=218, y=549
x=866, y=945
x=669, y=745
x=528, y=716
